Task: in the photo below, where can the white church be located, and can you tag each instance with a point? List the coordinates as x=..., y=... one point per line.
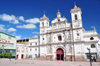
x=67, y=41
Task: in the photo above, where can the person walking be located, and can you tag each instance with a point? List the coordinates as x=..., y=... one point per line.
x=92, y=58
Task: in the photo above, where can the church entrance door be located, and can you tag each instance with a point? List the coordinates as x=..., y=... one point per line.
x=22, y=56
x=59, y=54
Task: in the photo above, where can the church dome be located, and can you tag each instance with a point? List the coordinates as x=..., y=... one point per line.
x=59, y=18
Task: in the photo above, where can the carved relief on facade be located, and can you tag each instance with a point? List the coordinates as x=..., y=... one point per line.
x=68, y=49
x=78, y=35
x=76, y=26
x=68, y=36
x=48, y=38
x=49, y=49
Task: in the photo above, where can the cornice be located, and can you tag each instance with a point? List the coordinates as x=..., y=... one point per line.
x=60, y=30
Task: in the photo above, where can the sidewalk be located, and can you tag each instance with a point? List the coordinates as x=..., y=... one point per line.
x=7, y=62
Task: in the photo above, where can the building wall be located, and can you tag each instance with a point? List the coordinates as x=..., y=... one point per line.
x=30, y=49
x=21, y=50
x=9, y=43
x=34, y=49
x=74, y=38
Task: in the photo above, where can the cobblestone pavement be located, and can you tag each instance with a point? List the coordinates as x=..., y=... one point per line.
x=7, y=62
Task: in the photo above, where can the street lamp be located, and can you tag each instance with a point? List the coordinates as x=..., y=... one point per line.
x=2, y=50
x=89, y=56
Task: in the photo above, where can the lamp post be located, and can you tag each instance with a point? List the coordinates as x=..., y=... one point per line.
x=89, y=56
x=3, y=50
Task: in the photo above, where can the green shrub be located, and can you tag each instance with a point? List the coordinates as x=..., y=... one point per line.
x=6, y=55
x=1, y=55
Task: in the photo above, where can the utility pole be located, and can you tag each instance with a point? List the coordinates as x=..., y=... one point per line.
x=3, y=50
x=90, y=56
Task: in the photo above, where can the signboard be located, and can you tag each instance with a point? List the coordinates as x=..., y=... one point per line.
x=5, y=41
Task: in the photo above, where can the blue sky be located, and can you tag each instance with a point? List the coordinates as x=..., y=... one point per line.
x=21, y=17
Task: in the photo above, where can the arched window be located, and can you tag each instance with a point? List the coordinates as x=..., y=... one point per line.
x=35, y=49
x=77, y=34
x=43, y=38
x=43, y=24
x=54, y=24
x=92, y=45
x=99, y=45
x=59, y=38
x=47, y=23
x=58, y=19
x=91, y=38
x=75, y=17
x=35, y=43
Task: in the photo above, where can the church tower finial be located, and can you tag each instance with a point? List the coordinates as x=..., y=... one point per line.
x=58, y=10
x=44, y=17
x=44, y=14
x=75, y=5
x=58, y=14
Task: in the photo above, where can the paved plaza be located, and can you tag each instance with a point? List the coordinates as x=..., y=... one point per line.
x=7, y=62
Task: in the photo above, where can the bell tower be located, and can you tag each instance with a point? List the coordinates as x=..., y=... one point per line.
x=44, y=23
x=76, y=17
x=76, y=24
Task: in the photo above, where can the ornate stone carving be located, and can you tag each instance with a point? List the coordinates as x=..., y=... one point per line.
x=49, y=49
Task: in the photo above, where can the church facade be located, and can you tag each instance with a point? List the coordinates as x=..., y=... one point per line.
x=68, y=41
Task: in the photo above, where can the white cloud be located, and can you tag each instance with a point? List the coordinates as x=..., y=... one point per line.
x=11, y=30
x=2, y=27
x=6, y=17
x=35, y=36
x=27, y=26
x=15, y=19
x=18, y=37
x=33, y=20
x=36, y=32
x=9, y=18
x=21, y=18
x=16, y=22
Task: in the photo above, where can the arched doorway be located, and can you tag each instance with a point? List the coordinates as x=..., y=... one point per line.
x=22, y=56
x=60, y=54
x=17, y=57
